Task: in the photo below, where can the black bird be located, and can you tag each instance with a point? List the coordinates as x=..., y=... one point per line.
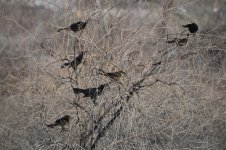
x=182, y=42
x=74, y=63
x=193, y=27
x=78, y=26
x=174, y=40
x=178, y=41
x=75, y=26
x=113, y=75
x=91, y=92
x=60, y=122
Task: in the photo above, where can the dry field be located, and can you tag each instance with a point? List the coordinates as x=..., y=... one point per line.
x=171, y=95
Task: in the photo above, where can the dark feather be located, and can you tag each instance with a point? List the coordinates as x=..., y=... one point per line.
x=60, y=122
x=193, y=27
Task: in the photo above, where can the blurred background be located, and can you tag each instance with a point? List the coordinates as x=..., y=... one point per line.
x=34, y=92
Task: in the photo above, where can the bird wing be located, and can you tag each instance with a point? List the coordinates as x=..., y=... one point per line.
x=182, y=42
x=51, y=125
x=113, y=74
x=79, y=58
x=58, y=121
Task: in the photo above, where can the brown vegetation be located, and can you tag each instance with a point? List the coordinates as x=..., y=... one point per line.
x=170, y=94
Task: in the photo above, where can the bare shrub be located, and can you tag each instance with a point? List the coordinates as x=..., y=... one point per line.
x=170, y=97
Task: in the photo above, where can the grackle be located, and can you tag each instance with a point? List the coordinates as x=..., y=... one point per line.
x=60, y=122
x=193, y=27
x=78, y=26
x=74, y=63
x=182, y=42
x=178, y=41
x=113, y=75
x=75, y=27
x=91, y=92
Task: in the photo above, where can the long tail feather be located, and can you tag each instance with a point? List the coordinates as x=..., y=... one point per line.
x=62, y=29
x=65, y=65
x=77, y=90
x=51, y=125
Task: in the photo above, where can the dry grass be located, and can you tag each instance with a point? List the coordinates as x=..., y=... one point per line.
x=176, y=104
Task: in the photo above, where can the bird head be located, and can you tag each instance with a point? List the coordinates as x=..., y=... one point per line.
x=67, y=117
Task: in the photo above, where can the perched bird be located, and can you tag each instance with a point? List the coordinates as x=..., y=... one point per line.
x=174, y=40
x=78, y=26
x=178, y=41
x=91, y=92
x=75, y=27
x=182, y=42
x=193, y=28
x=113, y=75
x=74, y=63
x=60, y=122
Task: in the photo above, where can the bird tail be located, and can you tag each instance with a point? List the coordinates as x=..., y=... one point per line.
x=65, y=65
x=77, y=90
x=185, y=26
x=171, y=41
x=62, y=29
x=51, y=125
